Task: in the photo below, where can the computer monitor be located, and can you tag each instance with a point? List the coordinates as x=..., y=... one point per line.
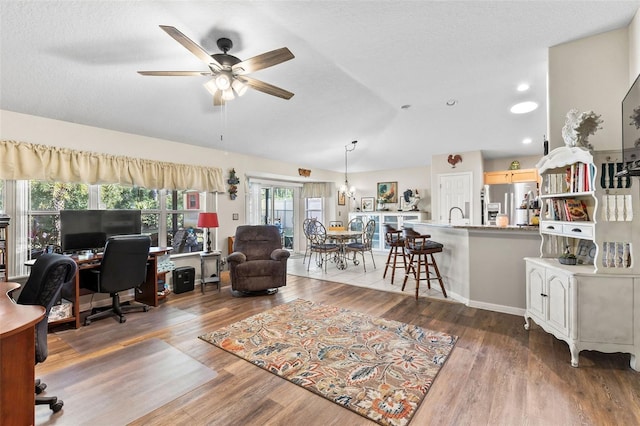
x=89, y=229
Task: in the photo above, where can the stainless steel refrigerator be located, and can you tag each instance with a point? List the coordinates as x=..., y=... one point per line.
x=510, y=197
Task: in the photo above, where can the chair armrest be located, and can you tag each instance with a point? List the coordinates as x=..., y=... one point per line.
x=280, y=254
x=236, y=257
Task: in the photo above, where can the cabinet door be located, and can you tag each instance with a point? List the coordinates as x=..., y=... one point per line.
x=536, y=294
x=524, y=175
x=492, y=178
x=558, y=300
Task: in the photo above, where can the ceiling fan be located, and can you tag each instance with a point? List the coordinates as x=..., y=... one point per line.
x=229, y=73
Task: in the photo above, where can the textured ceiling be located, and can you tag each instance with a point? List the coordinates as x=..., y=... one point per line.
x=356, y=63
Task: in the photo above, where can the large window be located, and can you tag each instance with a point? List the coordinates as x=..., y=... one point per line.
x=313, y=208
x=169, y=217
x=46, y=199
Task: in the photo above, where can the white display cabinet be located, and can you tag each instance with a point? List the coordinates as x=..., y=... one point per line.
x=594, y=304
x=395, y=219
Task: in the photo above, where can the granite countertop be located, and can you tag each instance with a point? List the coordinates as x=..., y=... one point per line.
x=475, y=227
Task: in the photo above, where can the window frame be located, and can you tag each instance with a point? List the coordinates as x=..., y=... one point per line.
x=16, y=199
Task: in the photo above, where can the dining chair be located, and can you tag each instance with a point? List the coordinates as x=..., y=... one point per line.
x=307, y=228
x=320, y=244
x=365, y=245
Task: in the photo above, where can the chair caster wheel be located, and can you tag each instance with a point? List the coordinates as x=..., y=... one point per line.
x=145, y=309
x=40, y=387
x=56, y=406
x=87, y=321
x=122, y=319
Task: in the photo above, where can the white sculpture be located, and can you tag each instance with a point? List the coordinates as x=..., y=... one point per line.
x=578, y=127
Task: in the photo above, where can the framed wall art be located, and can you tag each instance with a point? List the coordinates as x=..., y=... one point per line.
x=388, y=192
x=193, y=201
x=366, y=204
x=342, y=199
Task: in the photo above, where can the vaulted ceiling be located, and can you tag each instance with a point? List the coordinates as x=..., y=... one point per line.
x=357, y=63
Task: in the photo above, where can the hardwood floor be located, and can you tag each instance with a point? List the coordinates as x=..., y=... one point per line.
x=498, y=373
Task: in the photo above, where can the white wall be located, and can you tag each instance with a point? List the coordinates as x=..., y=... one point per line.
x=589, y=74
x=407, y=178
x=471, y=162
x=38, y=130
x=634, y=48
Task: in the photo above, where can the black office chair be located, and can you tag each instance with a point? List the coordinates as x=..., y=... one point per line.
x=48, y=275
x=123, y=267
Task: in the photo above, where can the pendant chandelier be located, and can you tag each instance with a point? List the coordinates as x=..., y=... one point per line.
x=346, y=189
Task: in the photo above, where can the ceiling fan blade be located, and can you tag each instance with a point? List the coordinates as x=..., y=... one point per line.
x=190, y=45
x=265, y=60
x=267, y=88
x=175, y=73
x=217, y=98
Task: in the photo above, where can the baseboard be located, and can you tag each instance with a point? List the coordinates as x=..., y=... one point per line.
x=497, y=308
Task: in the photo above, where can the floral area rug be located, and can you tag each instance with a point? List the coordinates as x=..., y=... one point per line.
x=379, y=368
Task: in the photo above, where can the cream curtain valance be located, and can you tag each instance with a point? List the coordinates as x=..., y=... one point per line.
x=317, y=190
x=26, y=161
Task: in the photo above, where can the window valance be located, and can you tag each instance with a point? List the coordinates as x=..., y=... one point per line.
x=317, y=190
x=26, y=161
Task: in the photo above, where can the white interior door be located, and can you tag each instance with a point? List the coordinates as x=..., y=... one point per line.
x=455, y=191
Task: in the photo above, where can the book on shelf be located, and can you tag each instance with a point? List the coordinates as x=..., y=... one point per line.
x=579, y=177
x=576, y=210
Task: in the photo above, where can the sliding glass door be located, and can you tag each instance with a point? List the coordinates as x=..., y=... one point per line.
x=275, y=204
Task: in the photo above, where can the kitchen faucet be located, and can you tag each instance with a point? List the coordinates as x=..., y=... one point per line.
x=452, y=208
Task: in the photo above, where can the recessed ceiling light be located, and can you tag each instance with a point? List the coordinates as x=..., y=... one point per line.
x=527, y=141
x=522, y=87
x=524, y=107
x=451, y=102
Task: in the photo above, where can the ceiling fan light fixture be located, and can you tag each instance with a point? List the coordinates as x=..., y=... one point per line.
x=228, y=95
x=211, y=87
x=223, y=81
x=239, y=87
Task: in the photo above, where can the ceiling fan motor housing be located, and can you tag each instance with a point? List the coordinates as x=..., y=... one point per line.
x=224, y=44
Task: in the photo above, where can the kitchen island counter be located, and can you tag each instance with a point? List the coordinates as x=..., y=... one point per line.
x=481, y=265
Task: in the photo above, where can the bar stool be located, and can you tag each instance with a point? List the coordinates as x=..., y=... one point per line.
x=393, y=238
x=420, y=250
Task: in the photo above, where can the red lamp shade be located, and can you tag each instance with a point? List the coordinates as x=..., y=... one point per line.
x=208, y=220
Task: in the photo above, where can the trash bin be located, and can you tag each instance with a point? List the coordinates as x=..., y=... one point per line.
x=183, y=279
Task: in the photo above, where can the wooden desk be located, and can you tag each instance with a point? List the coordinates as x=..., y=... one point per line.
x=149, y=289
x=17, y=358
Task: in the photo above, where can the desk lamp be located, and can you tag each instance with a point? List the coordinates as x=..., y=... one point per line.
x=208, y=220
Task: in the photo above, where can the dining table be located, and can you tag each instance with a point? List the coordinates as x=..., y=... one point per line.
x=342, y=237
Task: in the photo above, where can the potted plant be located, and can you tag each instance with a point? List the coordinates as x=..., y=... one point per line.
x=567, y=258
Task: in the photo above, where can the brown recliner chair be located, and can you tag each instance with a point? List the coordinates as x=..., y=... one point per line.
x=258, y=263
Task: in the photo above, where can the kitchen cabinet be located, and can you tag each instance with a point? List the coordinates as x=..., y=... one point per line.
x=511, y=176
x=594, y=304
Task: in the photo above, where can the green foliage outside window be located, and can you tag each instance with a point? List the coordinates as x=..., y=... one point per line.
x=134, y=198
x=52, y=197
x=47, y=198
